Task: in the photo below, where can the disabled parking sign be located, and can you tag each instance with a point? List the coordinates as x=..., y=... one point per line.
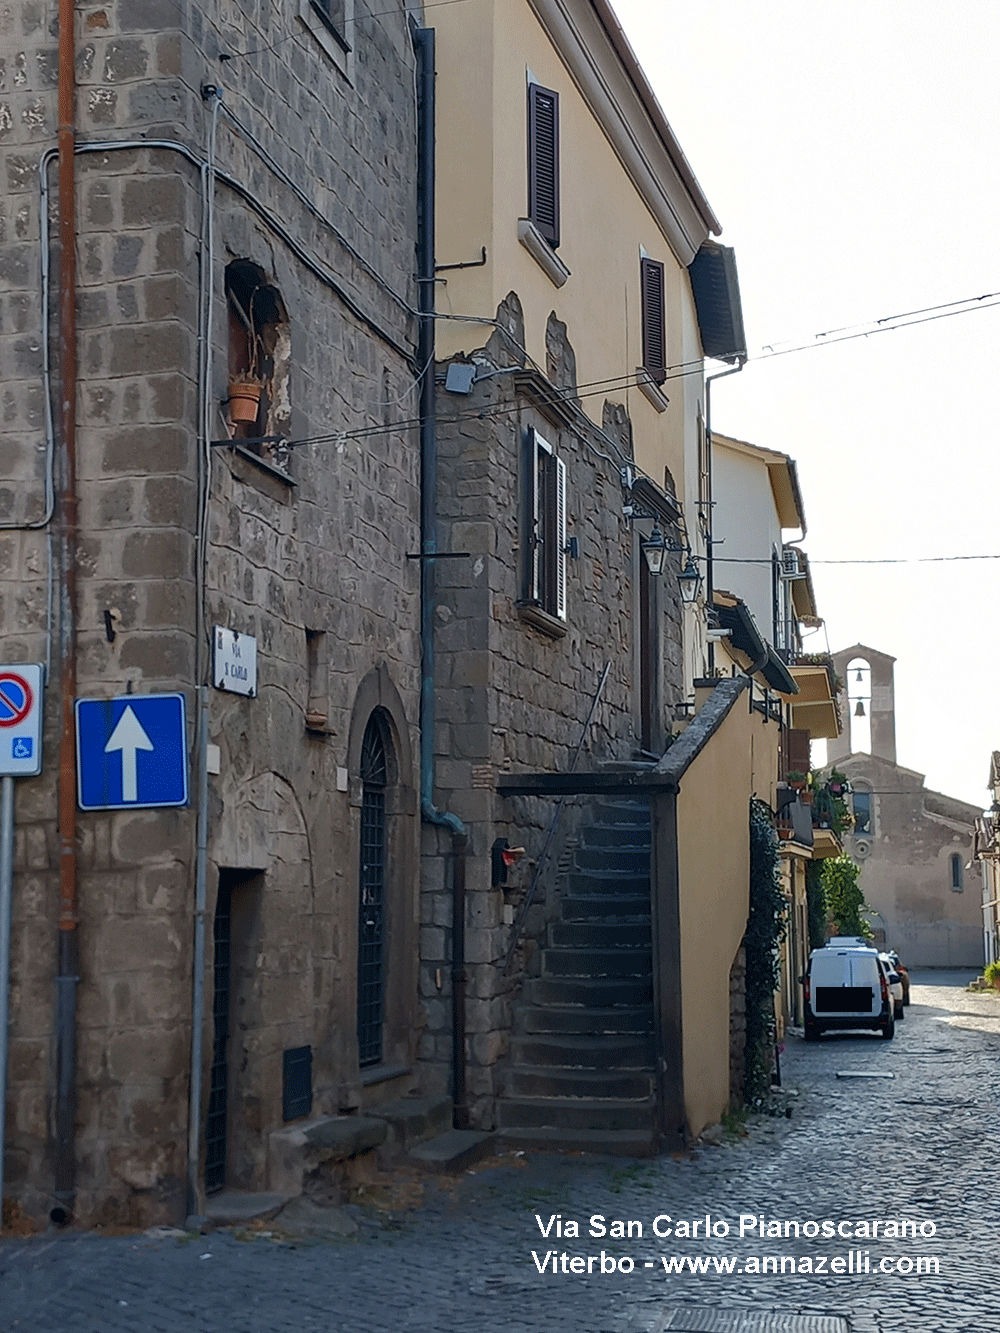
x=21, y=693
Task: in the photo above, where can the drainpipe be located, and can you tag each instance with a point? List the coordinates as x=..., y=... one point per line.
x=66, y=538
x=423, y=42
x=710, y=516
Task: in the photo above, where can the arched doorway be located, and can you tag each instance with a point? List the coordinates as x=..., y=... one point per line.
x=375, y=753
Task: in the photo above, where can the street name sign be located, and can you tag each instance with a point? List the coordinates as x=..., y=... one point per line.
x=131, y=752
x=234, y=661
x=21, y=693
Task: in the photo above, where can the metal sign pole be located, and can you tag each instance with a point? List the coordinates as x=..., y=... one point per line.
x=6, y=894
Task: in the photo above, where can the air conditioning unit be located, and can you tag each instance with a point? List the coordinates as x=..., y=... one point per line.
x=790, y=567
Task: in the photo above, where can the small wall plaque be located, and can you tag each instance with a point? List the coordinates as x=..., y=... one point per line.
x=234, y=661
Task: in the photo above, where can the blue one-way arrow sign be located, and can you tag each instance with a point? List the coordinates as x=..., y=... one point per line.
x=131, y=752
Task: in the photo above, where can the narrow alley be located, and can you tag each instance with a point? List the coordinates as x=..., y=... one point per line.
x=912, y=1147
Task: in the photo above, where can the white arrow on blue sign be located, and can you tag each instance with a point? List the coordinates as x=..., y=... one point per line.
x=131, y=752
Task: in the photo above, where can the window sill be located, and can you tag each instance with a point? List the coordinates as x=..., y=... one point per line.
x=541, y=252
x=543, y=620
x=651, y=389
x=382, y=1073
x=264, y=465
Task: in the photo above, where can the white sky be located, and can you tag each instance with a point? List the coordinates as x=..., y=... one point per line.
x=851, y=152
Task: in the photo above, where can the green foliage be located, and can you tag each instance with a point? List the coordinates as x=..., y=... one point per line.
x=830, y=806
x=765, y=930
x=844, y=899
x=816, y=904
x=991, y=974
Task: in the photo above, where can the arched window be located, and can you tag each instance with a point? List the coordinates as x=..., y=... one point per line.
x=371, y=898
x=862, y=811
x=956, y=873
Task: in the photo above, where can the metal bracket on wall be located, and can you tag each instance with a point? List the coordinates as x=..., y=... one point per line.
x=466, y=263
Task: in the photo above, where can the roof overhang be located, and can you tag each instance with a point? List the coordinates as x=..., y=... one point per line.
x=746, y=638
x=716, y=291
x=782, y=475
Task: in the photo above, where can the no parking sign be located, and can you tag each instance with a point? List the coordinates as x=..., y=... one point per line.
x=21, y=690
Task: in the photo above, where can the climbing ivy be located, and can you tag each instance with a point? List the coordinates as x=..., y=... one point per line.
x=816, y=904
x=844, y=899
x=766, y=926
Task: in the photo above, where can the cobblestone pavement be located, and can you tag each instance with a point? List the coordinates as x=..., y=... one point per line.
x=922, y=1146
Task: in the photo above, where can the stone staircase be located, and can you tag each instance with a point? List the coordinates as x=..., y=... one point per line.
x=582, y=1071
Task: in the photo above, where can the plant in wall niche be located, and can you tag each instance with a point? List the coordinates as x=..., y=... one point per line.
x=844, y=899
x=766, y=926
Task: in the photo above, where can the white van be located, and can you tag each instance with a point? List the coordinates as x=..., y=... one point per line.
x=846, y=987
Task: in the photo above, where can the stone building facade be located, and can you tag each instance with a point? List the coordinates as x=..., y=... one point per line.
x=246, y=205
x=916, y=847
x=518, y=675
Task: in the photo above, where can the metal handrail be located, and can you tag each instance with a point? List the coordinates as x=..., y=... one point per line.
x=540, y=864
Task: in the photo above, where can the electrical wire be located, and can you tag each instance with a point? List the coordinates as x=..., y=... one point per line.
x=888, y=560
x=888, y=319
x=493, y=413
x=885, y=326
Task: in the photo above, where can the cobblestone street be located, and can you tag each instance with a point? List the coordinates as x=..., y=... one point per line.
x=919, y=1146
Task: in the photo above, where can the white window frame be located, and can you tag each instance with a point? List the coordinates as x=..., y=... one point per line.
x=538, y=574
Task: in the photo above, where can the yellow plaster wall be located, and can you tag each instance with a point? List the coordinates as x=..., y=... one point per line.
x=484, y=54
x=713, y=848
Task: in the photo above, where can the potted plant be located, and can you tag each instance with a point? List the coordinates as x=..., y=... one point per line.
x=797, y=781
x=245, y=387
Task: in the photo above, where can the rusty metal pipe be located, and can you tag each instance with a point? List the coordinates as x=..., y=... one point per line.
x=66, y=543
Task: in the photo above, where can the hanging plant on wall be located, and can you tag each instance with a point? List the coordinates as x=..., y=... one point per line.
x=844, y=899
x=816, y=903
x=766, y=926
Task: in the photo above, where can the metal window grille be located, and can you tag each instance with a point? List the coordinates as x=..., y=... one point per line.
x=215, y=1128
x=371, y=908
x=296, y=1082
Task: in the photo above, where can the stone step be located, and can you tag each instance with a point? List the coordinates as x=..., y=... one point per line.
x=600, y=934
x=412, y=1120
x=557, y=962
x=575, y=1113
x=609, y=1142
x=593, y=1084
x=635, y=837
x=591, y=992
x=613, y=860
x=608, y=881
x=454, y=1150
x=235, y=1207
x=619, y=810
x=590, y=1022
x=600, y=906
x=585, y=1050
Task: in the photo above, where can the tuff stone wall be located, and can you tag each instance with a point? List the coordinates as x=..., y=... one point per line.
x=514, y=691
x=325, y=204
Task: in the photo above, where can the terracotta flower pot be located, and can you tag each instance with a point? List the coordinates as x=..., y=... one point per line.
x=244, y=400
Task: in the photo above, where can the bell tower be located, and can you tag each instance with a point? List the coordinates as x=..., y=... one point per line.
x=872, y=697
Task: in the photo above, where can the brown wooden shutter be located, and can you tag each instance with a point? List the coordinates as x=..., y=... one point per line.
x=543, y=161
x=796, y=750
x=654, y=333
